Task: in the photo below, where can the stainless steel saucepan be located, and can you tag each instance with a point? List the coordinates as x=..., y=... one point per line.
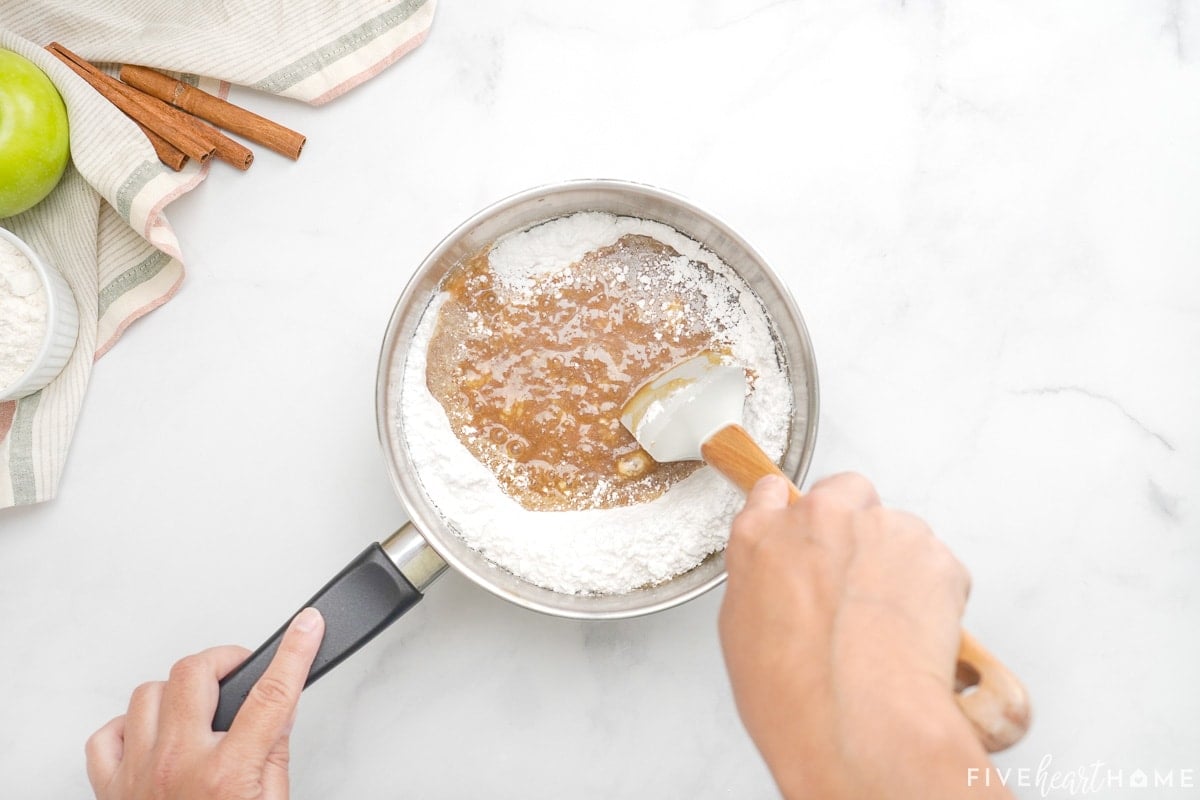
x=388, y=578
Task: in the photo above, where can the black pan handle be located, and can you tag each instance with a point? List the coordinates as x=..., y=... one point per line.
x=364, y=598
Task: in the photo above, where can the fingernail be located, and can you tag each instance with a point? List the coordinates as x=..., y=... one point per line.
x=307, y=620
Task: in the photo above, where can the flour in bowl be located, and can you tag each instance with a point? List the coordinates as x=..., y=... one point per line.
x=22, y=314
x=597, y=550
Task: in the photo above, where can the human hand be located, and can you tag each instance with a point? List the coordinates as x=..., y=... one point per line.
x=164, y=745
x=840, y=629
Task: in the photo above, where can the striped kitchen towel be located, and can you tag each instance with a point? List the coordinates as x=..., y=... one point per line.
x=103, y=225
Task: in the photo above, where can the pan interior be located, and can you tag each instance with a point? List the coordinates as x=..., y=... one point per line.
x=518, y=213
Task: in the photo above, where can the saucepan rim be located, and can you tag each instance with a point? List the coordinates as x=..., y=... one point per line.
x=523, y=209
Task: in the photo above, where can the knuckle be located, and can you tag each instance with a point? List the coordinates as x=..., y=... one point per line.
x=913, y=530
x=778, y=555
x=144, y=692
x=272, y=692
x=845, y=487
x=942, y=561
x=746, y=526
x=882, y=520
x=857, y=482
x=944, y=557
x=91, y=746
x=186, y=669
x=243, y=653
x=280, y=756
x=819, y=503
x=912, y=523
x=961, y=573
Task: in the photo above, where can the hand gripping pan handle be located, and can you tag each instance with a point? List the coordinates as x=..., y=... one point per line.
x=988, y=693
x=369, y=594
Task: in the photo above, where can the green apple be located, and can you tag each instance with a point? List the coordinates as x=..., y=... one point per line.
x=34, y=141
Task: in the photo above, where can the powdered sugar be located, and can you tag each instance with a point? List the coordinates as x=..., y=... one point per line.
x=22, y=314
x=610, y=550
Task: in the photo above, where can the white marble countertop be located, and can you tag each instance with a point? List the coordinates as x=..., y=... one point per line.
x=988, y=215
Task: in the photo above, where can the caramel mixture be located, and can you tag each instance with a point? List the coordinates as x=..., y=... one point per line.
x=532, y=379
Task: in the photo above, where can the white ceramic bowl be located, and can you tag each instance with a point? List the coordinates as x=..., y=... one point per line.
x=62, y=326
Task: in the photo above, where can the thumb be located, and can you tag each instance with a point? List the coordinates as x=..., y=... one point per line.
x=267, y=714
x=770, y=493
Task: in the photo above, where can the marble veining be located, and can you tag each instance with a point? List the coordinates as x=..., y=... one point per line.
x=1043, y=391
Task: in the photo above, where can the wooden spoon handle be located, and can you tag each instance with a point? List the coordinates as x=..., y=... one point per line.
x=734, y=453
x=990, y=696
x=988, y=693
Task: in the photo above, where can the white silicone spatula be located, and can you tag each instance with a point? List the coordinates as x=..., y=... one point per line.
x=693, y=411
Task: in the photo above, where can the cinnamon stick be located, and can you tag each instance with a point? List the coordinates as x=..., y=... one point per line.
x=168, y=153
x=140, y=107
x=219, y=112
x=224, y=148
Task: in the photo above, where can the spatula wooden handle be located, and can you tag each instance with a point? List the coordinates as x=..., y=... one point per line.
x=988, y=693
x=990, y=696
x=734, y=453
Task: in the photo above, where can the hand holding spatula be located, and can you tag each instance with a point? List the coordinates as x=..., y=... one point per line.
x=694, y=411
